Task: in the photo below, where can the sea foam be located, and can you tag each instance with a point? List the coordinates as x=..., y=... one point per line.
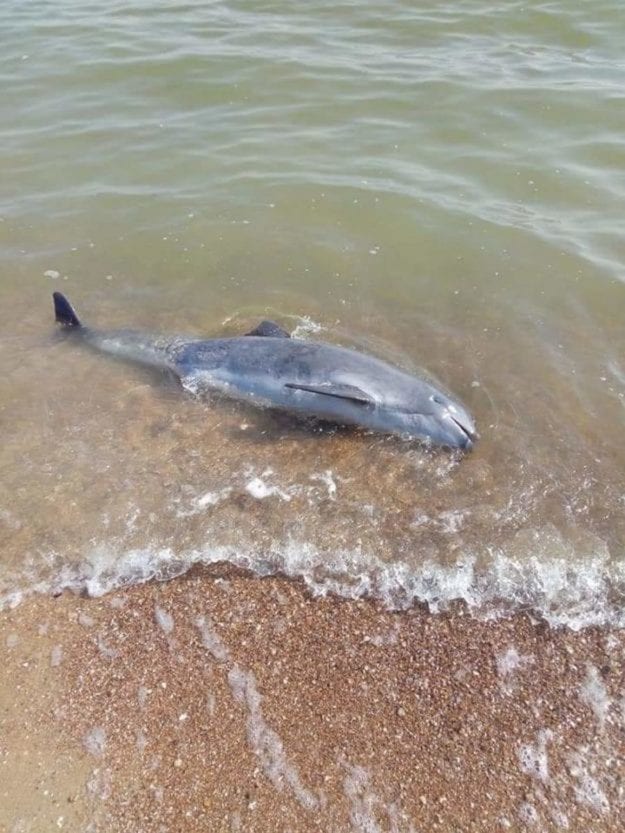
x=575, y=594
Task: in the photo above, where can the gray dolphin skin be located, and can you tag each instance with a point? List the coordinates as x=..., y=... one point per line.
x=268, y=368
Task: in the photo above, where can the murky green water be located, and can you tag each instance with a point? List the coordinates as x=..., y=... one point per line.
x=439, y=185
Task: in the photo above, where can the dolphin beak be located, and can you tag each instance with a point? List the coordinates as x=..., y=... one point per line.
x=464, y=433
x=468, y=429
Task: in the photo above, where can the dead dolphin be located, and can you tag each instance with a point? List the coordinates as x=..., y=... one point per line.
x=268, y=368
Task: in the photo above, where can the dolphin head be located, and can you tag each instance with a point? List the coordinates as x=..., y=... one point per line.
x=456, y=425
x=439, y=419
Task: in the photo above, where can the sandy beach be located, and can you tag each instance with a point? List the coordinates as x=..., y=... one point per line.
x=224, y=702
x=217, y=617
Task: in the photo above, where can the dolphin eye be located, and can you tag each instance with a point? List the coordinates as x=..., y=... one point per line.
x=436, y=398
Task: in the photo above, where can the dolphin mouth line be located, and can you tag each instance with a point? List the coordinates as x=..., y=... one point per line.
x=471, y=435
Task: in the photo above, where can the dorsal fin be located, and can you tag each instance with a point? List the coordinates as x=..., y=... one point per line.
x=269, y=329
x=64, y=312
x=350, y=392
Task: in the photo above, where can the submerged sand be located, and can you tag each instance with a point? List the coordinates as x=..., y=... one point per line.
x=223, y=702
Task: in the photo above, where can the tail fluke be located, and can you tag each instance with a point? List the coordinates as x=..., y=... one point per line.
x=63, y=311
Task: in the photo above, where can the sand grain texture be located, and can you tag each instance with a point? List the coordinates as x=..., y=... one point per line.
x=237, y=704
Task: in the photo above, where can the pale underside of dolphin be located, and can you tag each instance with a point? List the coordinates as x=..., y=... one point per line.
x=268, y=368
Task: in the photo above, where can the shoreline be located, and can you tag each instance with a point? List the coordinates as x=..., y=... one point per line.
x=550, y=590
x=234, y=702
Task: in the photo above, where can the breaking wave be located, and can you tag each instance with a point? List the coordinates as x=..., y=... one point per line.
x=576, y=595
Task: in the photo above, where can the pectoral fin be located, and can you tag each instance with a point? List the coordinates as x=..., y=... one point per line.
x=269, y=329
x=350, y=392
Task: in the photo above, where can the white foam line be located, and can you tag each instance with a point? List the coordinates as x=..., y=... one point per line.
x=366, y=807
x=587, y=790
x=361, y=800
x=164, y=620
x=575, y=594
x=264, y=741
x=211, y=640
x=95, y=741
x=594, y=693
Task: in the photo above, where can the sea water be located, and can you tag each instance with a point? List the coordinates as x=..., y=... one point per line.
x=437, y=184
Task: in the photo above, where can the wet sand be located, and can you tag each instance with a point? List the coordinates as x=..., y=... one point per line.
x=223, y=702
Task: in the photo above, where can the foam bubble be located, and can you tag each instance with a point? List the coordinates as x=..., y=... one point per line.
x=509, y=661
x=164, y=620
x=211, y=703
x=211, y=640
x=560, y=818
x=587, y=790
x=328, y=480
x=306, y=327
x=258, y=488
x=100, y=785
x=141, y=740
x=367, y=809
x=534, y=758
x=362, y=800
x=95, y=741
x=105, y=649
x=528, y=814
x=202, y=502
x=85, y=620
x=594, y=693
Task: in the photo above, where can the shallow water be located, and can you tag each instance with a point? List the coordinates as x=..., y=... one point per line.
x=440, y=187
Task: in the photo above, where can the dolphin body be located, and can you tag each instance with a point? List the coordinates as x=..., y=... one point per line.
x=266, y=367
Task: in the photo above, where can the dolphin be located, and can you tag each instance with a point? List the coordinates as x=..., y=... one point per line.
x=268, y=368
